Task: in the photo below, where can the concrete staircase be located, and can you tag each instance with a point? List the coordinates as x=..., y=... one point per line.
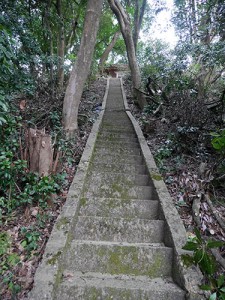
x=117, y=242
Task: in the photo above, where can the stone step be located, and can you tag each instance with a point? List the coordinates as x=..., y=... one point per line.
x=119, y=230
x=117, y=126
x=117, y=130
x=114, y=104
x=117, y=136
x=152, y=260
x=100, y=150
x=105, y=286
x=120, y=160
x=117, y=143
x=115, y=167
x=101, y=176
x=120, y=115
x=119, y=190
x=117, y=140
x=116, y=116
x=112, y=207
x=114, y=121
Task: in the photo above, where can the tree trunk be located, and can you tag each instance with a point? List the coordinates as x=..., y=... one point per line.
x=107, y=51
x=138, y=18
x=40, y=152
x=61, y=45
x=81, y=67
x=49, y=38
x=125, y=28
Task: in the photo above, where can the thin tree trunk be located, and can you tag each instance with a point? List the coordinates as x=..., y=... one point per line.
x=50, y=41
x=61, y=45
x=107, y=51
x=138, y=19
x=81, y=67
x=125, y=28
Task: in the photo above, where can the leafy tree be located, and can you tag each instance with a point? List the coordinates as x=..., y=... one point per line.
x=200, y=27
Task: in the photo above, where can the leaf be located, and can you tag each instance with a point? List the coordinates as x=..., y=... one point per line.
x=222, y=289
x=13, y=259
x=2, y=120
x=213, y=296
x=190, y=246
x=24, y=243
x=205, y=287
x=222, y=296
x=198, y=234
x=214, y=244
x=198, y=256
x=207, y=264
x=3, y=106
x=220, y=281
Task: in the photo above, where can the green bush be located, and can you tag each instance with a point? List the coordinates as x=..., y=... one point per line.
x=8, y=260
x=30, y=239
x=202, y=257
x=218, y=141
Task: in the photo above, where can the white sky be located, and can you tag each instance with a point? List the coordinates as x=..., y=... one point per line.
x=162, y=28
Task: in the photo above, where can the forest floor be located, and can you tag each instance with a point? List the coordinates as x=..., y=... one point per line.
x=30, y=227
x=192, y=170
x=188, y=175
x=187, y=171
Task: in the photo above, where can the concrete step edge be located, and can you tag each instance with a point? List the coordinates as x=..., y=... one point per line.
x=120, y=244
x=119, y=281
x=119, y=229
x=149, y=259
x=121, y=219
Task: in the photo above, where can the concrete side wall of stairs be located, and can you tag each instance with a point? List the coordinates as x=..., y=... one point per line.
x=119, y=235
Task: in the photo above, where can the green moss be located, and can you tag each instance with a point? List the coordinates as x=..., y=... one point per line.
x=83, y=201
x=124, y=261
x=94, y=293
x=54, y=258
x=62, y=222
x=111, y=137
x=153, y=271
x=121, y=186
x=58, y=278
x=156, y=177
x=101, y=252
x=112, y=203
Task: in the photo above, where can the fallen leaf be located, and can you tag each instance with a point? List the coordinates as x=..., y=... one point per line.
x=34, y=211
x=22, y=104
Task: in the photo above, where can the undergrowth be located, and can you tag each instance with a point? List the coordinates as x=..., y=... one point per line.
x=20, y=190
x=214, y=282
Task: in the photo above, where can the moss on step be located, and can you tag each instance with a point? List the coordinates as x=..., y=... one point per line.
x=83, y=201
x=119, y=187
x=58, y=279
x=118, y=263
x=54, y=258
x=158, y=262
x=132, y=260
x=62, y=222
x=157, y=177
